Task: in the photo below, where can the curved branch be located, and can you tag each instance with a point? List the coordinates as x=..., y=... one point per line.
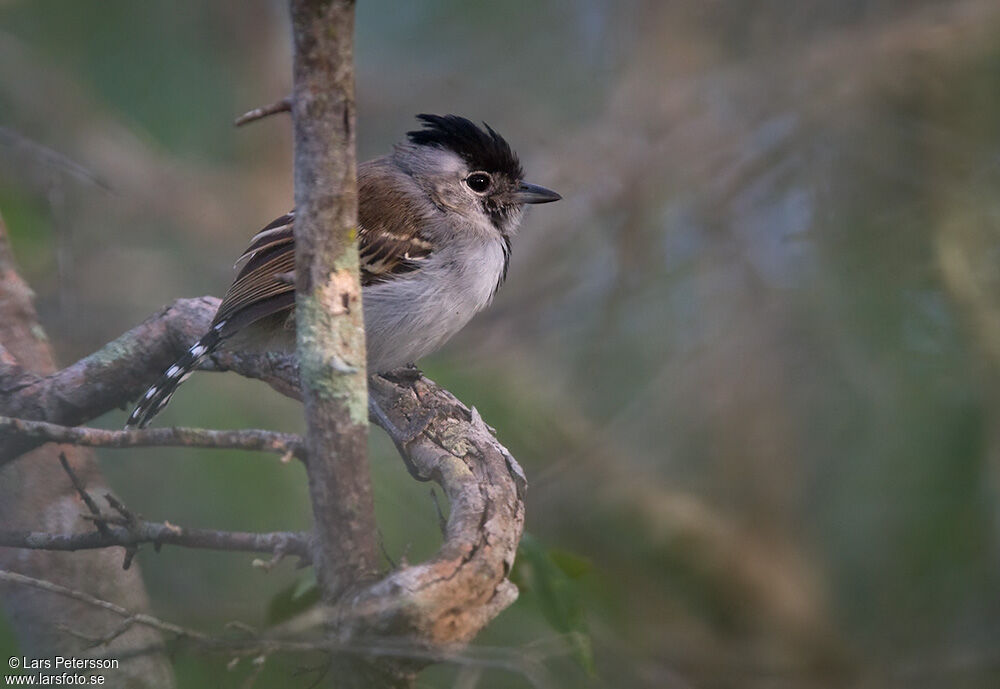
x=451, y=596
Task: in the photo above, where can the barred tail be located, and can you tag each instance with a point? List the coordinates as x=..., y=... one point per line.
x=159, y=394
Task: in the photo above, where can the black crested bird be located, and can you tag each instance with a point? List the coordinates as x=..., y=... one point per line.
x=436, y=217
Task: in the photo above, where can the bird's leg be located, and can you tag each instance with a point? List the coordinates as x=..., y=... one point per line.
x=405, y=374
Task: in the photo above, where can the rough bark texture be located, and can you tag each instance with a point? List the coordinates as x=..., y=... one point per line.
x=35, y=494
x=253, y=439
x=331, y=342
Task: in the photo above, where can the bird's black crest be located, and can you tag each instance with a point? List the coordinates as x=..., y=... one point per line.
x=482, y=150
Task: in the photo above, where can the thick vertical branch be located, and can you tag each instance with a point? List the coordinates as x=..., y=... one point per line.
x=331, y=342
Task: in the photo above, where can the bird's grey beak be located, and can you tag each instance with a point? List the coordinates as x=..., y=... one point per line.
x=532, y=193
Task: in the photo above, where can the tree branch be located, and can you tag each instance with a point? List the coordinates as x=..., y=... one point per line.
x=162, y=533
x=121, y=370
x=283, y=105
x=94, y=601
x=285, y=444
x=126, y=530
x=330, y=328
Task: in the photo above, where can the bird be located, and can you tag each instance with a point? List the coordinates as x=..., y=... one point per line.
x=436, y=217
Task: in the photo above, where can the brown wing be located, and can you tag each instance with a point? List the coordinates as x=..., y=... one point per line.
x=384, y=255
x=389, y=221
x=390, y=244
x=265, y=283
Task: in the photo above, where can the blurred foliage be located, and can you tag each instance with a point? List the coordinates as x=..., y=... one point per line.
x=548, y=576
x=749, y=363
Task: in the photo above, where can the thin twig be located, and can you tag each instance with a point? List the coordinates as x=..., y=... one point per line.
x=245, y=439
x=117, y=506
x=286, y=542
x=139, y=618
x=277, y=556
x=101, y=525
x=95, y=512
x=51, y=158
x=104, y=639
x=130, y=522
x=283, y=105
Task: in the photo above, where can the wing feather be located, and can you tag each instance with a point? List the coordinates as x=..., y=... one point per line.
x=265, y=276
x=389, y=239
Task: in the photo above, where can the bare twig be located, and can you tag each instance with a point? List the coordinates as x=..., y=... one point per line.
x=283, y=105
x=127, y=516
x=100, y=521
x=102, y=526
x=244, y=439
x=130, y=521
x=136, y=618
x=277, y=556
x=127, y=535
x=50, y=158
x=103, y=639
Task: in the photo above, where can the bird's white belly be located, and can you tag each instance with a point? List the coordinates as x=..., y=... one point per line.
x=411, y=316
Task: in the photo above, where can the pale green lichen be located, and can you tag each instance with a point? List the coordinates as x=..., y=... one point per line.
x=452, y=437
x=116, y=350
x=331, y=340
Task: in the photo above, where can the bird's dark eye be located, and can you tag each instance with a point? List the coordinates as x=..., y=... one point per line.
x=478, y=182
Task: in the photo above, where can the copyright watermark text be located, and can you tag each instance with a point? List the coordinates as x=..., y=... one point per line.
x=58, y=671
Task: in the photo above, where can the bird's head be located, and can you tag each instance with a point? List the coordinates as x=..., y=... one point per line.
x=470, y=171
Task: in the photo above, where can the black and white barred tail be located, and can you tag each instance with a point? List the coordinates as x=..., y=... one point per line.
x=158, y=395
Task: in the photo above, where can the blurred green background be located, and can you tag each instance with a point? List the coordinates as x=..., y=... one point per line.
x=750, y=363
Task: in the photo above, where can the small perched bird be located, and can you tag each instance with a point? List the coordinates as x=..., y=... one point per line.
x=436, y=217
